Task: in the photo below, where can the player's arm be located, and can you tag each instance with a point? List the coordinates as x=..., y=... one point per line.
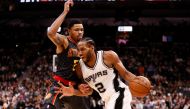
x=118, y=65
x=68, y=91
x=84, y=88
x=55, y=37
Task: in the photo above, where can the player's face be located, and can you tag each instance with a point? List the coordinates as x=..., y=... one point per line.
x=85, y=51
x=76, y=32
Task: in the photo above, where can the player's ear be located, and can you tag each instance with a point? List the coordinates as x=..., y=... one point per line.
x=68, y=30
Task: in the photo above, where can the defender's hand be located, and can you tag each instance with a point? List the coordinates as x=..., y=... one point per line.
x=85, y=88
x=67, y=5
x=64, y=90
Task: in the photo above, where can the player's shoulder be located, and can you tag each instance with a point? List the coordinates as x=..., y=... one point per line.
x=109, y=54
x=109, y=57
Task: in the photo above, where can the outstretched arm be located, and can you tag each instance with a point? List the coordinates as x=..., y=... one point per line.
x=52, y=32
x=70, y=90
x=83, y=89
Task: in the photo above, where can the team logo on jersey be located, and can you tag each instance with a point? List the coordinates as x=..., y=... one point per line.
x=94, y=76
x=75, y=64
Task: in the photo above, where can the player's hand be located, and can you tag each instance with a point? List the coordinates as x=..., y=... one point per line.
x=67, y=5
x=85, y=88
x=64, y=90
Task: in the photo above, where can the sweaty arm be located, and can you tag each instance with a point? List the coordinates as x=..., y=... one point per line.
x=111, y=58
x=58, y=39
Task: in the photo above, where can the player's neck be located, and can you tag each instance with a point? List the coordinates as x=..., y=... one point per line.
x=92, y=61
x=72, y=40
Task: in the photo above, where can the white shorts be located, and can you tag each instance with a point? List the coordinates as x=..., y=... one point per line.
x=120, y=100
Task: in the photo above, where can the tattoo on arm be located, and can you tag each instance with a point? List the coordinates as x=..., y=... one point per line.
x=58, y=40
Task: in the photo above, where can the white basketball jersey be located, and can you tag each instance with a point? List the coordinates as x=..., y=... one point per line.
x=101, y=78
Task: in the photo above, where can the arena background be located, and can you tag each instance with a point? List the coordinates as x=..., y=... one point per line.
x=157, y=47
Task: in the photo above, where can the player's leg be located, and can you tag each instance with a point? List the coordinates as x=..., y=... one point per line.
x=120, y=100
x=75, y=102
x=127, y=99
x=115, y=101
x=52, y=101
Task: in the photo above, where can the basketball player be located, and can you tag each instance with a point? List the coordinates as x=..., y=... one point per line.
x=97, y=69
x=67, y=59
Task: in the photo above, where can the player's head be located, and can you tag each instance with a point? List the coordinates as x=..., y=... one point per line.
x=86, y=48
x=75, y=29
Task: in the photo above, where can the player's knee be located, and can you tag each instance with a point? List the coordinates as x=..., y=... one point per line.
x=49, y=106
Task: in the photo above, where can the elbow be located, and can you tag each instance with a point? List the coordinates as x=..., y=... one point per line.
x=50, y=33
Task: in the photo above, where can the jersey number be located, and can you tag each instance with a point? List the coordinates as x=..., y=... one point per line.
x=100, y=87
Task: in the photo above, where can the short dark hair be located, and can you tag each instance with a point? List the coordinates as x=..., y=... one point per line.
x=88, y=40
x=72, y=22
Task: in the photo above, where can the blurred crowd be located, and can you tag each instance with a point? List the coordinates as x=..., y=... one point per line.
x=25, y=69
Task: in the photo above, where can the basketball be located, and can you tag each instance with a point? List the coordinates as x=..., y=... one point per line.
x=140, y=86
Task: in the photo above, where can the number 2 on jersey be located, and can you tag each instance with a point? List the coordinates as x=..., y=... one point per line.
x=100, y=87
